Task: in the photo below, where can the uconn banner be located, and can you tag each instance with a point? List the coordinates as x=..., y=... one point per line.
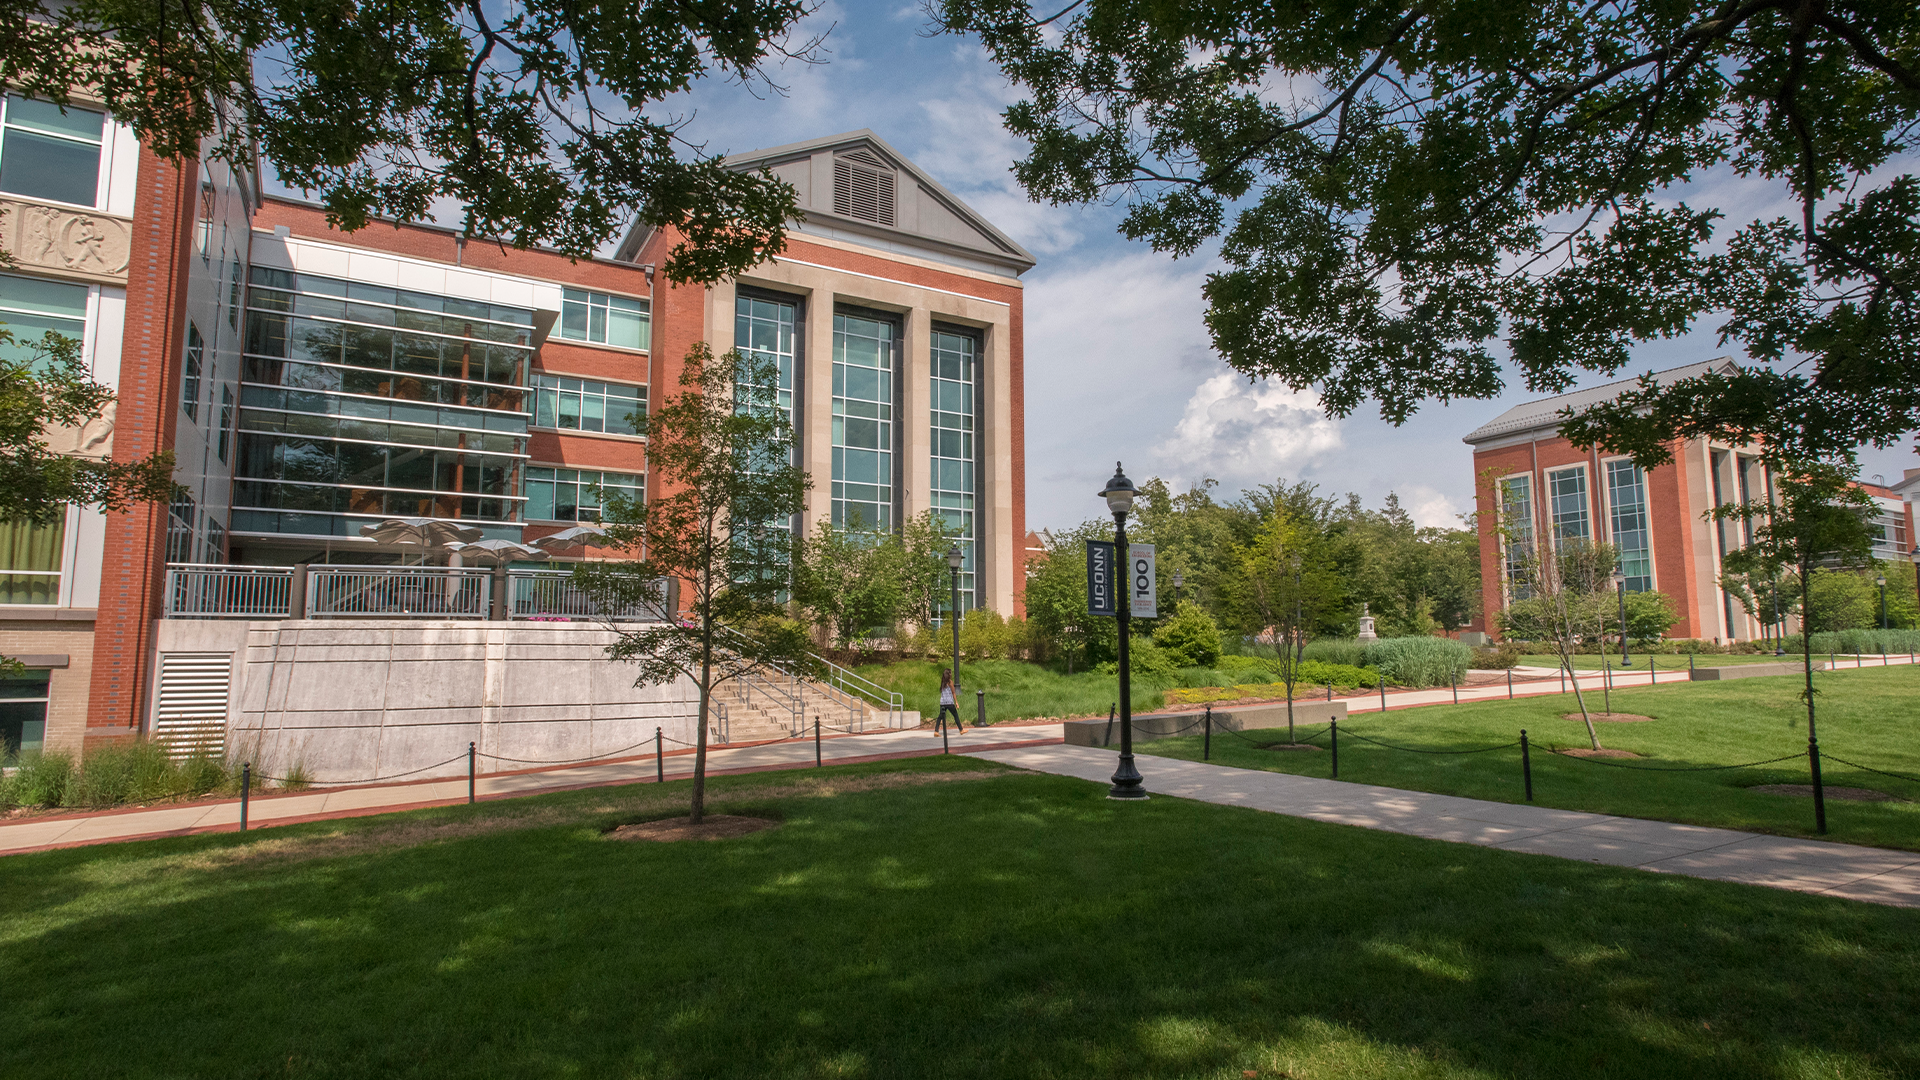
x=1103, y=578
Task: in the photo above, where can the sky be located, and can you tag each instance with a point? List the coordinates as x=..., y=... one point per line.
x=1118, y=363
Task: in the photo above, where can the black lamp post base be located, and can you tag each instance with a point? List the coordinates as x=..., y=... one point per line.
x=1126, y=781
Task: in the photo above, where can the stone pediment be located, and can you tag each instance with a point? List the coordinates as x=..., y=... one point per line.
x=65, y=242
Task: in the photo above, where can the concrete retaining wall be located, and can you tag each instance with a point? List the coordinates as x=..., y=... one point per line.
x=1166, y=725
x=1748, y=671
x=352, y=699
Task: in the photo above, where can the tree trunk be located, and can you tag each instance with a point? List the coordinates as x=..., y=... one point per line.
x=698, y=810
x=1566, y=658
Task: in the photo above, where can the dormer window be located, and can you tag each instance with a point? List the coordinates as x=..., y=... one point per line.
x=863, y=187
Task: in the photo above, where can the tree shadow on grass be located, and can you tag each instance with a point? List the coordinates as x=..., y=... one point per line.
x=1020, y=927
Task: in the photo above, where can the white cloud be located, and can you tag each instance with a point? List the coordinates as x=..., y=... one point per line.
x=1431, y=508
x=1249, y=433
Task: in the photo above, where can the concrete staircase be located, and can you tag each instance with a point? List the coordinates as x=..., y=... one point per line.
x=759, y=708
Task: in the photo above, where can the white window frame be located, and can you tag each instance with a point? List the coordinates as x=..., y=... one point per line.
x=535, y=390
x=103, y=163
x=527, y=480
x=1646, y=494
x=596, y=299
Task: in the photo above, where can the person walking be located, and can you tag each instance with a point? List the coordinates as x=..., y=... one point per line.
x=949, y=703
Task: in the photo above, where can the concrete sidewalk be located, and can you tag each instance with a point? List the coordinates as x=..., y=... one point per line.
x=1876, y=875
x=32, y=834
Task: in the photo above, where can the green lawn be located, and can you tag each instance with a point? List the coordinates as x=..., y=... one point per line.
x=1012, y=925
x=1869, y=717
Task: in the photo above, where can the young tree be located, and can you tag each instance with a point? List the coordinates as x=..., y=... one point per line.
x=924, y=578
x=1817, y=515
x=44, y=388
x=539, y=119
x=852, y=579
x=724, y=491
x=1288, y=583
x=1394, y=187
x=1057, y=597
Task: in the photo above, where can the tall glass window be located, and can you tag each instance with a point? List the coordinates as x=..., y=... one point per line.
x=1567, y=504
x=955, y=386
x=47, y=152
x=361, y=402
x=31, y=559
x=190, y=373
x=1627, y=498
x=863, y=361
x=765, y=329
x=1516, y=513
x=30, y=307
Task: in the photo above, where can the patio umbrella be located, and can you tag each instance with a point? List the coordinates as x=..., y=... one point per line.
x=496, y=551
x=431, y=532
x=577, y=536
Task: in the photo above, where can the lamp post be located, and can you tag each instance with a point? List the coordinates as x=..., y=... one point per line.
x=1119, y=494
x=1779, y=628
x=954, y=559
x=1180, y=579
x=1620, y=586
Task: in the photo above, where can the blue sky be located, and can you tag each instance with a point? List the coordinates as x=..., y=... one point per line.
x=1118, y=365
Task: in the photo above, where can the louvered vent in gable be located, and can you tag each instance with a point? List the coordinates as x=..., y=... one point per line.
x=863, y=188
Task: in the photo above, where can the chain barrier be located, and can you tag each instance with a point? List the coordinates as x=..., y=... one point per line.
x=1684, y=768
x=1417, y=750
x=1824, y=756
x=368, y=780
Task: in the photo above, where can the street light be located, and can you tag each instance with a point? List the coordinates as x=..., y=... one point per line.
x=1881, y=580
x=954, y=559
x=1178, y=580
x=1119, y=494
x=1620, y=585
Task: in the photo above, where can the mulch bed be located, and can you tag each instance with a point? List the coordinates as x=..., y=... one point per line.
x=1611, y=717
x=1850, y=794
x=715, y=827
x=1584, y=752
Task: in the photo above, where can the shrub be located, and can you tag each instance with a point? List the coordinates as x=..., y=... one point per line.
x=1191, y=636
x=983, y=635
x=1419, y=661
x=41, y=780
x=1496, y=657
x=1144, y=658
x=1018, y=645
x=1238, y=668
x=1350, y=653
x=1867, y=642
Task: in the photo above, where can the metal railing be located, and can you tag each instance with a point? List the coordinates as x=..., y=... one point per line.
x=217, y=591
x=404, y=592
x=551, y=595
x=865, y=691
x=856, y=694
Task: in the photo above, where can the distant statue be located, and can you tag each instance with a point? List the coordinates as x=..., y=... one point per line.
x=1366, y=625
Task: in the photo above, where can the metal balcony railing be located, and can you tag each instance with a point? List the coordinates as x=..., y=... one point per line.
x=551, y=595
x=405, y=592
x=213, y=591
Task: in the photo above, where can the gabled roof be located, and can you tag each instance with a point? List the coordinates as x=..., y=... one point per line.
x=864, y=143
x=1545, y=412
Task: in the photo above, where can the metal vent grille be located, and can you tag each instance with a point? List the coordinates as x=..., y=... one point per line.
x=862, y=191
x=191, y=715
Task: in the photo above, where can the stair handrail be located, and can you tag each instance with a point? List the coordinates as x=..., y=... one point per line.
x=842, y=684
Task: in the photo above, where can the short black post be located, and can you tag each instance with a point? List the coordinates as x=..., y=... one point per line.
x=1333, y=726
x=980, y=715
x=1526, y=764
x=246, y=786
x=470, y=767
x=816, y=742
x=1689, y=665
x=1819, y=792
x=659, y=757
x=946, y=748
x=1111, y=710
x=1453, y=681
x=1509, y=684
x=1329, y=691
x=1383, y=695
x=1206, y=740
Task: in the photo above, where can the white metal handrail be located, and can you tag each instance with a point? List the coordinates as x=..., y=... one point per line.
x=221, y=591
x=403, y=592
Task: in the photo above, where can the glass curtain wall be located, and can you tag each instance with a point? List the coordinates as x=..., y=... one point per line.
x=955, y=384
x=1627, y=497
x=360, y=402
x=767, y=328
x=863, y=370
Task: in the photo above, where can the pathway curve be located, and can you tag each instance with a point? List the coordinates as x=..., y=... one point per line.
x=1877, y=875
x=39, y=833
